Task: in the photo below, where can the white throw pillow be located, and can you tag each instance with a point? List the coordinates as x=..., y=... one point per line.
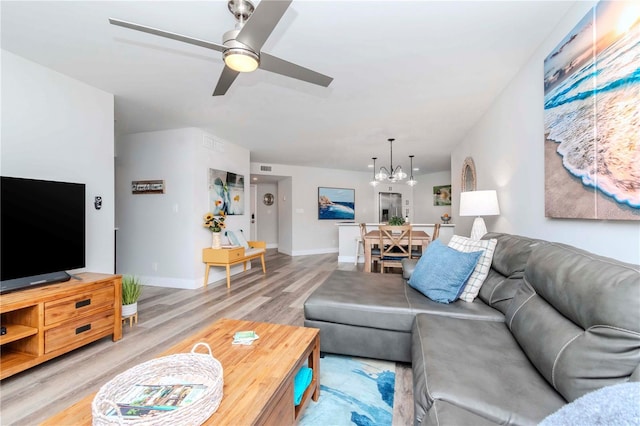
x=481, y=271
x=241, y=239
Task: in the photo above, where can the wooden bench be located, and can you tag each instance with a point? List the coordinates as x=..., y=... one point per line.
x=232, y=256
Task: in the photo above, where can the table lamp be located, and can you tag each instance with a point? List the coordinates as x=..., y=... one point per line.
x=479, y=203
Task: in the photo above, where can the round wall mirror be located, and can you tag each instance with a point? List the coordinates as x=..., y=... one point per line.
x=468, y=175
x=268, y=199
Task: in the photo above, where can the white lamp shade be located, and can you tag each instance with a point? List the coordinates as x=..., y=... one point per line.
x=479, y=203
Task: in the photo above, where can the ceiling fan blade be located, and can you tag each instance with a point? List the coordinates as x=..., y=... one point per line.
x=167, y=34
x=262, y=22
x=227, y=77
x=289, y=69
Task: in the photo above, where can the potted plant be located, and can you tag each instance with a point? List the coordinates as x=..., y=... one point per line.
x=215, y=225
x=396, y=221
x=131, y=290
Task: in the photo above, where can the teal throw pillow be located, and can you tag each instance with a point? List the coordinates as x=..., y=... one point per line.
x=442, y=272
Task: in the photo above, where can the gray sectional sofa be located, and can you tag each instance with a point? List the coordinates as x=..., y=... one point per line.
x=551, y=323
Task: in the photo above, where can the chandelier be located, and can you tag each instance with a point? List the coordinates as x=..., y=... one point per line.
x=392, y=174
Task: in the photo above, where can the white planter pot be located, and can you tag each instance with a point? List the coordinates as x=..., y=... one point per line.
x=128, y=310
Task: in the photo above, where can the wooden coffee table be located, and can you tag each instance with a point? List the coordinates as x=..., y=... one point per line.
x=258, y=379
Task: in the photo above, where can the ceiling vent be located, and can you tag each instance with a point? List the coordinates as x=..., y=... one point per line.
x=265, y=168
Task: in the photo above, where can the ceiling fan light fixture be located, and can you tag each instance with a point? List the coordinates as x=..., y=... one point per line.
x=241, y=60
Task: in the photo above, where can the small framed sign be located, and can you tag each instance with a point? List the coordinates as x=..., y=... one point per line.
x=147, y=187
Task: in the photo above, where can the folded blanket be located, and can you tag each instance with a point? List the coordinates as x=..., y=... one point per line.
x=300, y=383
x=612, y=405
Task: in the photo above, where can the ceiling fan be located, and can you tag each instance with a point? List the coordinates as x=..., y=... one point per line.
x=241, y=47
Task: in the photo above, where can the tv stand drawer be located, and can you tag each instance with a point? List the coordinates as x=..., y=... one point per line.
x=76, y=333
x=78, y=305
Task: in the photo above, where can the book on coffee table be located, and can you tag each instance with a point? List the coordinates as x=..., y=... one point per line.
x=149, y=400
x=244, y=337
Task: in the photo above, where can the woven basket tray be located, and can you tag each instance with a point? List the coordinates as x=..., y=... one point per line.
x=185, y=368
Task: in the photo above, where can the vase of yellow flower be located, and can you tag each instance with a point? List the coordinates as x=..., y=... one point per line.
x=215, y=225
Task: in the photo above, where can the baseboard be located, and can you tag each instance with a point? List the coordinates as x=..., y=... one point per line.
x=350, y=259
x=167, y=282
x=315, y=251
x=216, y=273
x=272, y=245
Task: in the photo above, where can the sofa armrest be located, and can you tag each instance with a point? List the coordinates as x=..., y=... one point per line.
x=257, y=244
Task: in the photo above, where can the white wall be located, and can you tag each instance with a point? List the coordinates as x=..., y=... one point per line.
x=160, y=236
x=285, y=216
x=267, y=216
x=298, y=214
x=507, y=147
x=299, y=230
x=425, y=211
x=57, y=128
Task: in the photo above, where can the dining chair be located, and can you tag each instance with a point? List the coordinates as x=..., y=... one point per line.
x=417, y=252
x=395, y=245
x=375, y=251
x=360, y=242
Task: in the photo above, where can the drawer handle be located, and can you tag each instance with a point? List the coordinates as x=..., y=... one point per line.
x=83, y=328
x=82, y=303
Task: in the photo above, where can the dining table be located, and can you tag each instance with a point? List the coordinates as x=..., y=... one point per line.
x=372, y=238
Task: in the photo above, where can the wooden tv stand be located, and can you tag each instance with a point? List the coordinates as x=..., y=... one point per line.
x=45, y=322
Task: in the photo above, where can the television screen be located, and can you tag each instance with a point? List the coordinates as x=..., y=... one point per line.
x=42, y=230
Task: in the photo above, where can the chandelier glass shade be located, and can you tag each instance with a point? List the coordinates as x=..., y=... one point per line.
x=411, y=181
x=374, y=181
x=392, y=174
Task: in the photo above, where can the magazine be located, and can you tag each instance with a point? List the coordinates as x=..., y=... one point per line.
x=151, y=400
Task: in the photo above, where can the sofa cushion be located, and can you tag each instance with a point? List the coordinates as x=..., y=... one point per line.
x=382, y=301
x=445, y=413
x=478, y=366
x=480, y=272
x=587, y=309
x=507, y=269
x=511, y=254
x=442, y=272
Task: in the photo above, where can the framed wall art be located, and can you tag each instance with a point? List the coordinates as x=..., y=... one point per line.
x=442, y=195
x=147, y=186
x=336, y=203
x=591, y=117
x=226, y=192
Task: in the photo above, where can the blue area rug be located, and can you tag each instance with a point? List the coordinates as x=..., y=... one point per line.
x=353, y=391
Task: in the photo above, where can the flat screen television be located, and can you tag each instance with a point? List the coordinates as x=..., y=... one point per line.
x=42, y=231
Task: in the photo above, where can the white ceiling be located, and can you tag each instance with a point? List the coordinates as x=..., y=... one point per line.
x=420, y=71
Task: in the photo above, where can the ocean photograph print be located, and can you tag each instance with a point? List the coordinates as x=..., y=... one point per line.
x=592, y=117
x=336, y=203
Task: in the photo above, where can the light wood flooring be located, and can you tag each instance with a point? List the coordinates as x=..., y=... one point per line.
x=167, y=316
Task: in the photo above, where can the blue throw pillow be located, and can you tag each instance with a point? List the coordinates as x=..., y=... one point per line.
x=442, y=272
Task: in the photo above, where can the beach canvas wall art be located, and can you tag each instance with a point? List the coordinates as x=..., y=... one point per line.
x=336, y=203
x=226, y=192
x=592, y=117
